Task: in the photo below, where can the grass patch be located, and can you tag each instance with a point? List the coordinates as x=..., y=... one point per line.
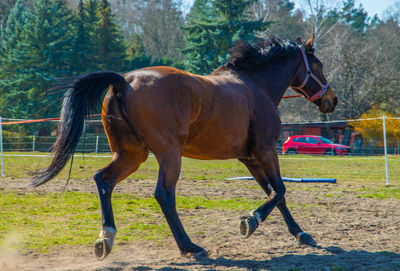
x=379, y=192
x=42, y=221
x=329, y=195
x=349, y=170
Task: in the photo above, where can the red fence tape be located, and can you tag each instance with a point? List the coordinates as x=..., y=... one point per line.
x=36, y=120
x=27, y=121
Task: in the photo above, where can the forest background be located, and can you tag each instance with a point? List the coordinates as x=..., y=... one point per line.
x=44, y=41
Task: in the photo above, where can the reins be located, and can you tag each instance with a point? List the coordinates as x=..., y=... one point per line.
x=292, y=96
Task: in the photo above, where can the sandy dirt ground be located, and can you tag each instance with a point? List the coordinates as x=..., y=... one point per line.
x=353, y=233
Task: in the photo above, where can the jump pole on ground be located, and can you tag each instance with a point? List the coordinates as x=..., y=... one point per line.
x=293, y=180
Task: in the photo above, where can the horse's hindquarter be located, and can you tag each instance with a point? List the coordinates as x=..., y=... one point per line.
x=220, y=123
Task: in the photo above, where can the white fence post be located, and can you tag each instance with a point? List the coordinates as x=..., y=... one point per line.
x=33, y=143
x=97, y=144
x=1, y=147
x=385, y=149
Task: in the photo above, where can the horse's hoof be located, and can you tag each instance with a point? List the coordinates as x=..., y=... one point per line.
x=304, y=238
x=102, y=248
x=200, y=254
x=195, y=254
x=248, y=225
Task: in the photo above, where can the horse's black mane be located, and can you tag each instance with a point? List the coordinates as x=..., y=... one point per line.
x=260, y=52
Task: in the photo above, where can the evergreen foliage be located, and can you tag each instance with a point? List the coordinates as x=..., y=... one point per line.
x=5, y=7
x=50, y=42
x=12, y=53
x=39, y=55
x=83, y=48
x=90, y=8
x=111, y=47
x=356, y=18
x=212, y=29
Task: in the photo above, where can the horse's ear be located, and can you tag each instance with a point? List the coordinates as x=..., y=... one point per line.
x=298, y=40
x=309, y=44
x=311, y=40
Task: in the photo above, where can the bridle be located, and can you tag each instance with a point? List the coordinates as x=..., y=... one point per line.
x=309, y=73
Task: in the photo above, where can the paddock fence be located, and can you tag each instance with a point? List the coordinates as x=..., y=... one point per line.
x=376, y=138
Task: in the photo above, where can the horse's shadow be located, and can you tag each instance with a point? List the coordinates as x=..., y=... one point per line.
x=332, y=258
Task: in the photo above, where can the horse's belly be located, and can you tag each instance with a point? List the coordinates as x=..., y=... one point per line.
x=197, y=153
x=217, y=144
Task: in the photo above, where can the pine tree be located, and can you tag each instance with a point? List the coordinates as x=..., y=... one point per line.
x=12, y=37
x=12, y=48
x=356, y=18
x=51, y=37
x=200, y=51
x=81, y=43
x=213, y=28
x=111, y=47
x=11, y=32
x=90, y=26
x=38, y=58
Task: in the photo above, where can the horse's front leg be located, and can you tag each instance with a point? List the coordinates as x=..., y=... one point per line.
x=247, y=229
x=170, y=165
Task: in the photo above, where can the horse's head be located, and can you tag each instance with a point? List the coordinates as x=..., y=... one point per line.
x=310, y=80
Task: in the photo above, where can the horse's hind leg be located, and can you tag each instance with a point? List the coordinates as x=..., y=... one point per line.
x=170, y=166
x=250, y=223
x=123, y=164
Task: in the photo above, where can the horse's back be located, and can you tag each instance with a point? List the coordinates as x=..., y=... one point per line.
x=207, y=116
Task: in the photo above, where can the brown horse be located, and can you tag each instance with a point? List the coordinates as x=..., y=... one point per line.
x=231, y=113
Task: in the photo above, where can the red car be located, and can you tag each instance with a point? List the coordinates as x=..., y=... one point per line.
x=309, y=144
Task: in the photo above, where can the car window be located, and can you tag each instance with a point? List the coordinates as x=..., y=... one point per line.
x=325, y=140
x=312, y=140
x=300, y=139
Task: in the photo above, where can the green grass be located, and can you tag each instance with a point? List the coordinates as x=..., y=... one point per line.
x=42, y=221
x=349, y=170
x=379, y=192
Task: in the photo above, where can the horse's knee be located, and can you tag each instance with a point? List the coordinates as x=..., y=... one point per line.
x=159, y=194
x=280, y=195
x=165, y=200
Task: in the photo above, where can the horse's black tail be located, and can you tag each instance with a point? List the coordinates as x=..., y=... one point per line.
x=82, y=97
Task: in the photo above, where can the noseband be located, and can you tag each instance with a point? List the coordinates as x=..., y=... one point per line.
x=309, y=73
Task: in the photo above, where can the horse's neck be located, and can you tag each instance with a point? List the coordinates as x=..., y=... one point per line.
x=280, y=76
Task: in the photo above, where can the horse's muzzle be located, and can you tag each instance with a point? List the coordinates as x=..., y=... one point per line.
x=328, y=105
